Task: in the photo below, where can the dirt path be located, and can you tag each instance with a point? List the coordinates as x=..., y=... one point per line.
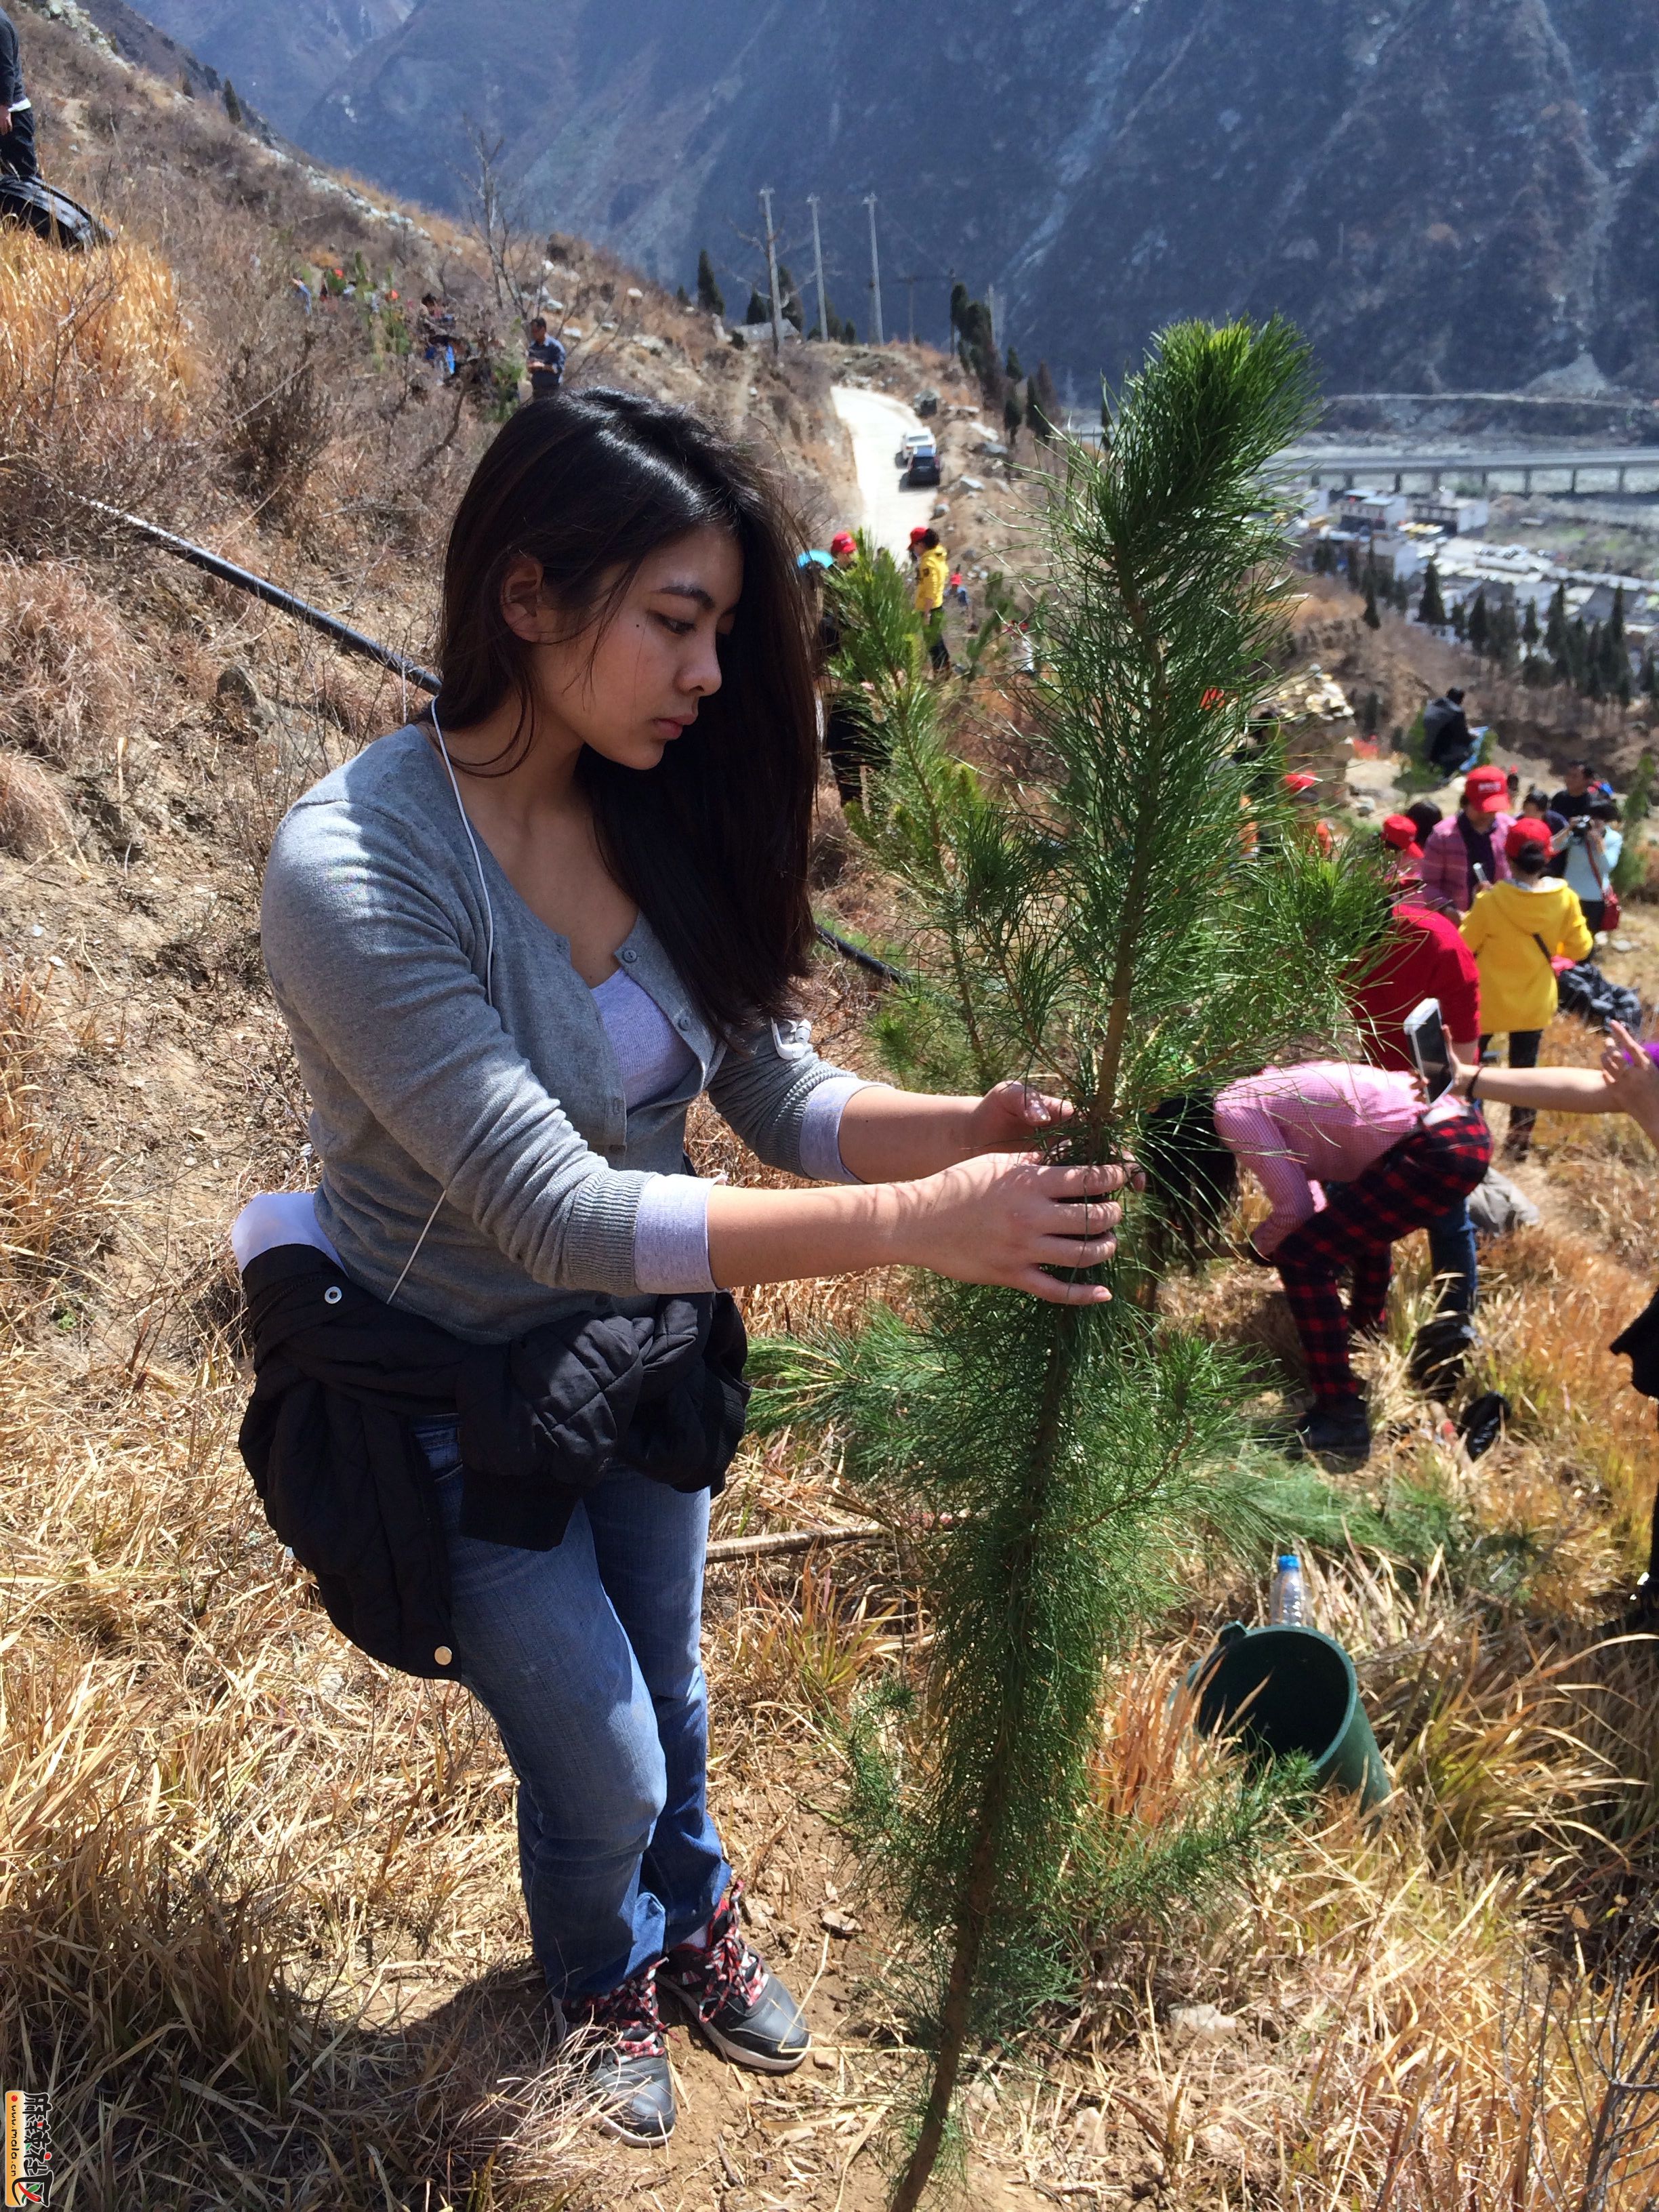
x=875, y=424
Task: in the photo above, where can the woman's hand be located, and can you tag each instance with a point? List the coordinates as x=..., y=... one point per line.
x=1633, y=1080
x=1007, y=1118
x=1463, y=1073
x=997, y=1219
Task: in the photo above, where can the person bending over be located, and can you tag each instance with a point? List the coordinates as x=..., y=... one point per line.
x=512, y=942
x=1517, y=931
x=1351, y=1160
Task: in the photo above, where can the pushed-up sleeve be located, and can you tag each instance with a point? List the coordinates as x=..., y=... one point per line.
x=763, y=1086
x=1247, y=1129
x=372, y=973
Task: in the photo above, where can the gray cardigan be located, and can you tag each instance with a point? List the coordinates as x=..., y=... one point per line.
x=375, y=935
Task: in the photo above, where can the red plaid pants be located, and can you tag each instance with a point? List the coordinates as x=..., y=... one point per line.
x=1416, y=1181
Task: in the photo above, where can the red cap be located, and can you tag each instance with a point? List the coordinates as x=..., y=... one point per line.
x=1298, y=781
x=1401, y=832
x=1489, y=787
x=1527, y=831
x=843, y=541
x=919, y=533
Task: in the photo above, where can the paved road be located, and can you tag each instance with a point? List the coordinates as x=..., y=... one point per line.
x=876, y=423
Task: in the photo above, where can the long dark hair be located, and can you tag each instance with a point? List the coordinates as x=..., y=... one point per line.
x=712, y=843
x=1192, y=1178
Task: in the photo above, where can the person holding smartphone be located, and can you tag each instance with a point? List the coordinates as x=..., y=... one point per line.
x=1627, y=1082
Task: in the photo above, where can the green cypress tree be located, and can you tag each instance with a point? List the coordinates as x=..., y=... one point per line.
x=759, y=309
x=1042, y=406
x=233, y=106
x=1013, y=414
x=1555, y=625
x=1431, y=608
x=710, y=298
x=1014, y=371
x=682, y=295
x=1098, y=924
x=1616, y=619
x=1460, y=621
x=788, y=297
x=1479, y=624
x=1530, y=632
x=1372, y=619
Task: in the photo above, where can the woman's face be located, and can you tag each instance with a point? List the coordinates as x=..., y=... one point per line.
x=1534, y=807
x=637, y=686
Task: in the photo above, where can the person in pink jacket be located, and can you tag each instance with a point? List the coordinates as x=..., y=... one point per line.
x=1471, y=838
x=1351, y=1159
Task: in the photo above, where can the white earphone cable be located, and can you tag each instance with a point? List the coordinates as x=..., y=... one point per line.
x=489, y=965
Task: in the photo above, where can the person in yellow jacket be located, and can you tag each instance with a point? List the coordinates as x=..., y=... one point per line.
x=1515, y=930
x=932, y=567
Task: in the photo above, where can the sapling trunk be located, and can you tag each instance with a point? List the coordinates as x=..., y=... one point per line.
x=1097, y=922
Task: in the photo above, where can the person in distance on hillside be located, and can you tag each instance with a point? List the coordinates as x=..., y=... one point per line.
x=499, y=1370
x=1588, y=856
x=545, y=359
x=1420, y=955
x=1516, y=930
x=17, y=153
x=1471, y=839
x=1579, y=785
x=933, y=565
x=1447, y=741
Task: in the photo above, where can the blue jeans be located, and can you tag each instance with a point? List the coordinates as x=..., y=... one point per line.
x=587, y=1658
x=1452, y=1253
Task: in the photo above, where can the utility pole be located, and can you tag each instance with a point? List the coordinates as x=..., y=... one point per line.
x=875, y=270
x=817, y=266
x=772, y=269
x=911, y=283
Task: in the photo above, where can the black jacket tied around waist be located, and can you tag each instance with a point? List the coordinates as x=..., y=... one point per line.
x=341, y=1378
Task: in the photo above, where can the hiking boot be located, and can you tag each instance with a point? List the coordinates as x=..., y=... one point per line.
x=1342, y=1429
x=729, y=1995
x=623, y=2061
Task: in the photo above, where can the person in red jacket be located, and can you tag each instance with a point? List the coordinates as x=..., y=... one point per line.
x=1424, y=956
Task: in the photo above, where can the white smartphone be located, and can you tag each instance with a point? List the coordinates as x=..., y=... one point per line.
x=1426, y=1041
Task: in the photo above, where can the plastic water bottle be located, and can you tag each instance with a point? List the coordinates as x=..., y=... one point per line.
x=1287, y=1604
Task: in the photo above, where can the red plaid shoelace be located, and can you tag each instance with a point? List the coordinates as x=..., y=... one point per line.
x=725, y=1966
x=626, y=2017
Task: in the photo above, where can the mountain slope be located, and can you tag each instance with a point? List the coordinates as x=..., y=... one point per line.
x=1452, y=194
x=284, y=58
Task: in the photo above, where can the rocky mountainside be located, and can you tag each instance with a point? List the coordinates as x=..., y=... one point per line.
x=1444, y=193
x=282, y=59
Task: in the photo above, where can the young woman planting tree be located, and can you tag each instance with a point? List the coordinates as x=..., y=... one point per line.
x=496, y=1383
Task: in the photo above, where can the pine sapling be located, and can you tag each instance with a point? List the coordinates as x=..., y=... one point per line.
x=1133, y=918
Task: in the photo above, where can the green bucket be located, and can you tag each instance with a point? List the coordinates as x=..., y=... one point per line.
x=1281, y=1691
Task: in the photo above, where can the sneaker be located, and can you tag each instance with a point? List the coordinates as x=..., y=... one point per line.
x=624, y=2062
x=730, y=1996
x=1342, y=1429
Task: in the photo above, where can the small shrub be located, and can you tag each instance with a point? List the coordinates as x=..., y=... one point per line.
x=34, y=819
x=279, y=418
x=66, y=665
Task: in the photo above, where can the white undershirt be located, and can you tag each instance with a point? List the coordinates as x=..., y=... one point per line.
x=671, y=1230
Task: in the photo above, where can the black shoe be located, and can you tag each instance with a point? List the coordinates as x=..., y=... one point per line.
x=623, y=2061
x=730, y=1996
x=1342, y=1429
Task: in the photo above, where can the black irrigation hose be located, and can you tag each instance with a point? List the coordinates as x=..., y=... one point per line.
x=867, y=961
x=355, y=641
x=260, y=588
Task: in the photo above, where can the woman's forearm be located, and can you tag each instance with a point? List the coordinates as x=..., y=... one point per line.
x=886, y=1135
x=790, y=1235
x=1558, y=1090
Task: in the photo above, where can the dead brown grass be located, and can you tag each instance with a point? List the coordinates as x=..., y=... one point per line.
x=34, y=819
x=67, y=666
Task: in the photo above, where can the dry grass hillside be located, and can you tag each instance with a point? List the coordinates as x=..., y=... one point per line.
x=260, y=1930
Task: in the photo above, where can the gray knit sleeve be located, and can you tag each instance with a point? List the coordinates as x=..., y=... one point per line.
x=761, y=1086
